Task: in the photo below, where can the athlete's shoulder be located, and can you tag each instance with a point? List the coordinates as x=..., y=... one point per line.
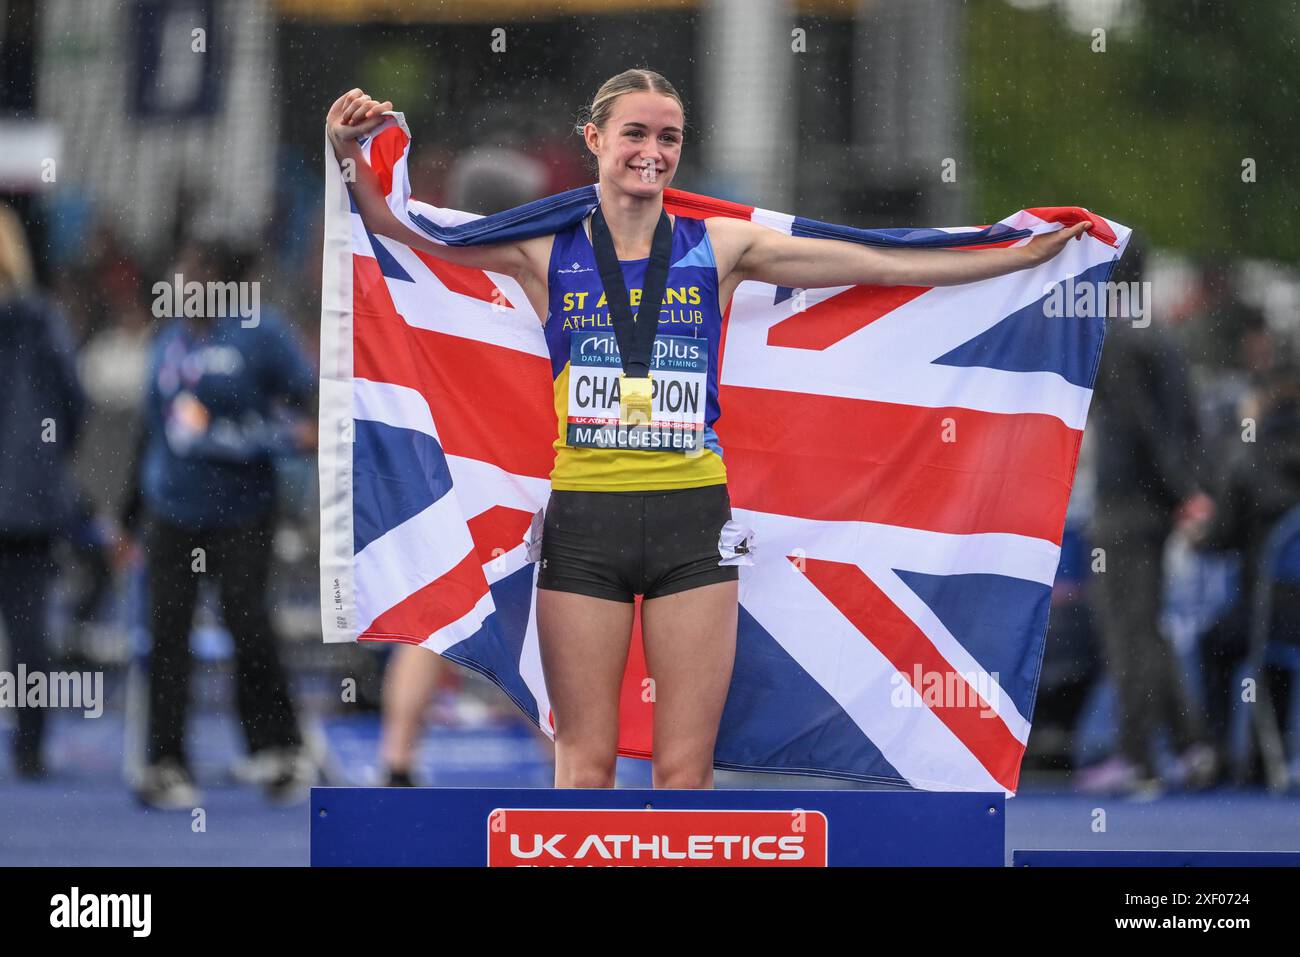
x=730, y=237
x=537, y=252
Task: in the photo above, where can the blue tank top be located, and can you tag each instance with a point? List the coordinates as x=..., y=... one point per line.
x=680, y=449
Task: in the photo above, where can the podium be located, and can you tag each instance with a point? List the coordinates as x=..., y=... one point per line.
x=479, y=827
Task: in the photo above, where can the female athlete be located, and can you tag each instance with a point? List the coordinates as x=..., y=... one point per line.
x=644, y=517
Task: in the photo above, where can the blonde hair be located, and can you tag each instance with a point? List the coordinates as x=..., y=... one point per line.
x=15, y=260
x=629, y=81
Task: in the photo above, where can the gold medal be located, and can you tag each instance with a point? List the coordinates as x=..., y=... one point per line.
x=634, y=399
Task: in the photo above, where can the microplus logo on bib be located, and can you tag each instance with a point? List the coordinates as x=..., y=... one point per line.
x=133, y=911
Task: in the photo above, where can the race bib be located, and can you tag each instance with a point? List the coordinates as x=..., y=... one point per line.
x=679, y=366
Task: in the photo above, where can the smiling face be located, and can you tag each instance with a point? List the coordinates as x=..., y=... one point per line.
x=640, y=145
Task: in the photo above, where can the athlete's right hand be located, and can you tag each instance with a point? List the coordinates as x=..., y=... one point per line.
x=354, y=114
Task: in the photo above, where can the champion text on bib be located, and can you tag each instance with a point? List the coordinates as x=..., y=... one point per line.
x=679, y=368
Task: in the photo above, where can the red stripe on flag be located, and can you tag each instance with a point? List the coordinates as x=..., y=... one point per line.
x=498, y=530
x=444, y=600
x=695, y=206
x=967, y=715
x=822, y=325
x=489, y=402
x=474, y=283
x=386, y=149
x=787, y=453
x=1069, y=215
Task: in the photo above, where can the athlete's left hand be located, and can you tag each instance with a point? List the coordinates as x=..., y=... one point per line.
x=1046, y=245
x=354, y=114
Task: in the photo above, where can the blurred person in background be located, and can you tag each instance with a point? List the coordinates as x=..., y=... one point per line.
x=112, y=362
x=481, y=180
x=225, y=394
x=1071, y=661
x=1148, y=454
x=41, y=407
x=1257, y=485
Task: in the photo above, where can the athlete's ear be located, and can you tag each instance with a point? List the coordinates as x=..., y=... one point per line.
x=591, y=135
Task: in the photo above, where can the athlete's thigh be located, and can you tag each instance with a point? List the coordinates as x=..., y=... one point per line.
x=690, y=647
x=584, y=644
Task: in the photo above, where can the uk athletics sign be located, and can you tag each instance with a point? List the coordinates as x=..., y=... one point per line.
x=587, y=837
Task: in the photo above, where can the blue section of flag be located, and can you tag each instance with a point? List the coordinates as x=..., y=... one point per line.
x=538, y=218
x=767, y=686
x=1000, y=621
x=923, y=238
x=1031, y=340
x=389, y=266
x=397, y=473
x=495, y=649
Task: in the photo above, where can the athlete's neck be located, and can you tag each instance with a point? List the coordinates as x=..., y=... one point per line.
x=632, y=221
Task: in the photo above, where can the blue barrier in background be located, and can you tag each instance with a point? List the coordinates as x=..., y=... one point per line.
x=404, y=827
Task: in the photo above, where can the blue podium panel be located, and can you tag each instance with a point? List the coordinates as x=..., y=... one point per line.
x=1155, y=859
x=464, y=827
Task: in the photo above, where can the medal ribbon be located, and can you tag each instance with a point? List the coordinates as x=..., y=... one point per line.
x=635, y=337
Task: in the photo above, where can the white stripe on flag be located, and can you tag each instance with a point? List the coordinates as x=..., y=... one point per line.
x=410, y=556
x=465, y=627
x=781, y=222
x=530, y=664
x=395, y=405
x=481, y=485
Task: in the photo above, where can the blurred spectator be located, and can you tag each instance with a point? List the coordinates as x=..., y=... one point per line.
x=1258, y=484
x=488, y=179
x=41, y=406
x=113, y=363
x=1071, y=659
x=207, y=496
x=1147, y=462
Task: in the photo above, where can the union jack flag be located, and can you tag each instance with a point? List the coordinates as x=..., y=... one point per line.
x=904, y=456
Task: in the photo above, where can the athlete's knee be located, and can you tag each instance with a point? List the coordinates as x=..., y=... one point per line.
x=584, y=777
x=579, y=770
x=684, y=774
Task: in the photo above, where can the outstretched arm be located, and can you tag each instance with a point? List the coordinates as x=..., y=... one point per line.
x=803, y=262
x=353, y=115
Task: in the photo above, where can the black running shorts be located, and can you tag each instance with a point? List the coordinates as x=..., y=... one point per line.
x=620, y=544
